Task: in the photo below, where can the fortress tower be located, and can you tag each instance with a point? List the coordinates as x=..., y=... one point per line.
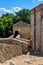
x=37, y=28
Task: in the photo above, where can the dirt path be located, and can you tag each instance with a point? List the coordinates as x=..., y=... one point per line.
x=25, y=60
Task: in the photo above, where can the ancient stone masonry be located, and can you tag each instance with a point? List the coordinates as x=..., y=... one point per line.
x=10, y=47
x=37, y=28
x=23, y=29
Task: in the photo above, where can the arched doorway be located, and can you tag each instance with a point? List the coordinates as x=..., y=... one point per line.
x=16, y=33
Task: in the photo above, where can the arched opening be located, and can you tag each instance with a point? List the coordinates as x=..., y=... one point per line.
x=16, y=33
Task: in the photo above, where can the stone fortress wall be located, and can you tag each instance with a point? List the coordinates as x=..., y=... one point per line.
x=37, y=29
x=10, y=48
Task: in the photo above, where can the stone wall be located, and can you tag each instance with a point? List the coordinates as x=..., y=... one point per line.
x=12, y=47
x=7, y=51
x=32, y=30
x=38, y=31
x=42, y=31
x=24, y=31
x=37, y=28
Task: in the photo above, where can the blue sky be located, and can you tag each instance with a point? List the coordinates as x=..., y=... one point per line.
x=10, y=6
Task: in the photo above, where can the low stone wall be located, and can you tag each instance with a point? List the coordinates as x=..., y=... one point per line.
x=12, y=47
x=8, y=51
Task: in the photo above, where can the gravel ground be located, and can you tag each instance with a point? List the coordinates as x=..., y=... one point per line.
x=24, y=60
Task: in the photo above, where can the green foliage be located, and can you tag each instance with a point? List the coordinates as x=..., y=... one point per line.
x=24, y=15
x=7, y=20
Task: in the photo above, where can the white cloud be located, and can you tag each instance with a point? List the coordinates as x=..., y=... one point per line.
x=5, y=10
x=16, y=9
x=37, y=0
x=13, y=10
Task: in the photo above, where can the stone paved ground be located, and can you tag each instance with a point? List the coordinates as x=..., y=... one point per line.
x=24, y=60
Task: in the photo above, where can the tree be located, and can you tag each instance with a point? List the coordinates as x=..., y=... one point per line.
x=24, y=15
x=6, y=22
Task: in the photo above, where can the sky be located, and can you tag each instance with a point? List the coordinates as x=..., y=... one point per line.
x=12, y=6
